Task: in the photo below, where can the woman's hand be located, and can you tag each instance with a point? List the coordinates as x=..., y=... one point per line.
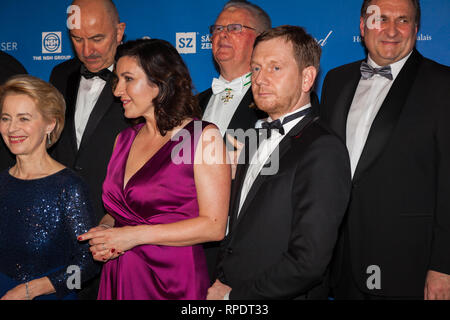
x=17, y=293
x=107, y=244
x=30, y=290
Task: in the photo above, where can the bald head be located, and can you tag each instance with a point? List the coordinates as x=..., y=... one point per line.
x=106, y=6
x=100, y=32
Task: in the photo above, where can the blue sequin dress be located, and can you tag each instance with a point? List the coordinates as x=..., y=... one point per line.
x=40, y=220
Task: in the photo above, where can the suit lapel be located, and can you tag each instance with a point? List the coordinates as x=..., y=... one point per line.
x=73, y=83
x=203, y=99
x=104, y=102
x=282, y=148
x=243, y=114
x=388, y=115
x=241, y=172
x=343, y=103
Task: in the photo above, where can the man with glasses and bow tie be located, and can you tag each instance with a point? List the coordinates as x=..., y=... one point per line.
x=284, y=223
x=229, y=102
x=393, y=112
x=93, y=116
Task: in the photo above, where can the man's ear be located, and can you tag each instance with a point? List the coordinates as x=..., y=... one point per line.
x=120, y=31
x=309, y=75
x=361, y=26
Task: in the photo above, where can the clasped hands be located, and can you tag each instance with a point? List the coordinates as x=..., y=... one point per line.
x=108, y=243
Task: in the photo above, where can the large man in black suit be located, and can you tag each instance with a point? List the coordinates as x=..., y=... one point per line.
x=9, y=67
x=284, y=223
x=393, y=111
x=93, y=116
x=228, y=103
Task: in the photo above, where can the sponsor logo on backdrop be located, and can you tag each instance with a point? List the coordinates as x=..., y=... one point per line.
x=51, y=45
x=51, y=42
x=424, y=37
x=206, y=42
x=322, y=42
x=8, y=46
x=420, y=37
x=186, y=42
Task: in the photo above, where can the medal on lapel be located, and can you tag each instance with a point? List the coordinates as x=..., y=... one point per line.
x=228, y=96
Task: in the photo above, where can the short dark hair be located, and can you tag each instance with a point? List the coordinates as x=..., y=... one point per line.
x=166, y=69
x=306, y=49
x=261, y=17
x=415, y=3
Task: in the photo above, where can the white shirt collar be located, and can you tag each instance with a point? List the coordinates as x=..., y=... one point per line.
x=243, y=81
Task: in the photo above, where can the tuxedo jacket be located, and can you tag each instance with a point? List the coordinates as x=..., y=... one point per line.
x=399, y=215
x=105, y=122
x=244, y=118
x=9, y=67
x=280, y=245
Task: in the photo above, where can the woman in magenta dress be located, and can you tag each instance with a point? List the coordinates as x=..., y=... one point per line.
x=167, y=184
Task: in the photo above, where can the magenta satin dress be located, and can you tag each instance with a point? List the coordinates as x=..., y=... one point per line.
x=162, y=191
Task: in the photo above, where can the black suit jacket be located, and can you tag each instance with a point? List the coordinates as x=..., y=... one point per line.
x=105, y=122
x=399, y=215
x=9, y=67
x=280, y=245
x=244, y=118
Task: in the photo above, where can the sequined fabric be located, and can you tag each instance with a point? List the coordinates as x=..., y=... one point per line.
x=39, y=223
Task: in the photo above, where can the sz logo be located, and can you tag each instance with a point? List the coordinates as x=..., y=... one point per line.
x=51, y=42
x=186, y=42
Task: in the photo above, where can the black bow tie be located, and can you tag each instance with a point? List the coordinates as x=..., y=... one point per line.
x=277, y=125
x=368, y=71
x=103, y=74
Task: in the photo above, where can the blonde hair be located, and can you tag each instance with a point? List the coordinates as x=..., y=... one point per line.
x=49, y=101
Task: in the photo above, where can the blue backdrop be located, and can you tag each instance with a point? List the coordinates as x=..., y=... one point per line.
x=334, y=23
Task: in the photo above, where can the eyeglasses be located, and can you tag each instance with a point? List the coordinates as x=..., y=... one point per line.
x=232, y=28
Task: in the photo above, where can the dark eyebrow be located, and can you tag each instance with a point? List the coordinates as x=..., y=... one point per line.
x=125, y=73
x=97, y=36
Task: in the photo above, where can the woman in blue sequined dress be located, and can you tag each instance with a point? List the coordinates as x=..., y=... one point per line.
x=43, y=205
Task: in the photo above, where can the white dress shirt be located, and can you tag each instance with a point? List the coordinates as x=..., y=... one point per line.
x=265, y=149
x=369, y=97
x=88, y=94
x=221, y=107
